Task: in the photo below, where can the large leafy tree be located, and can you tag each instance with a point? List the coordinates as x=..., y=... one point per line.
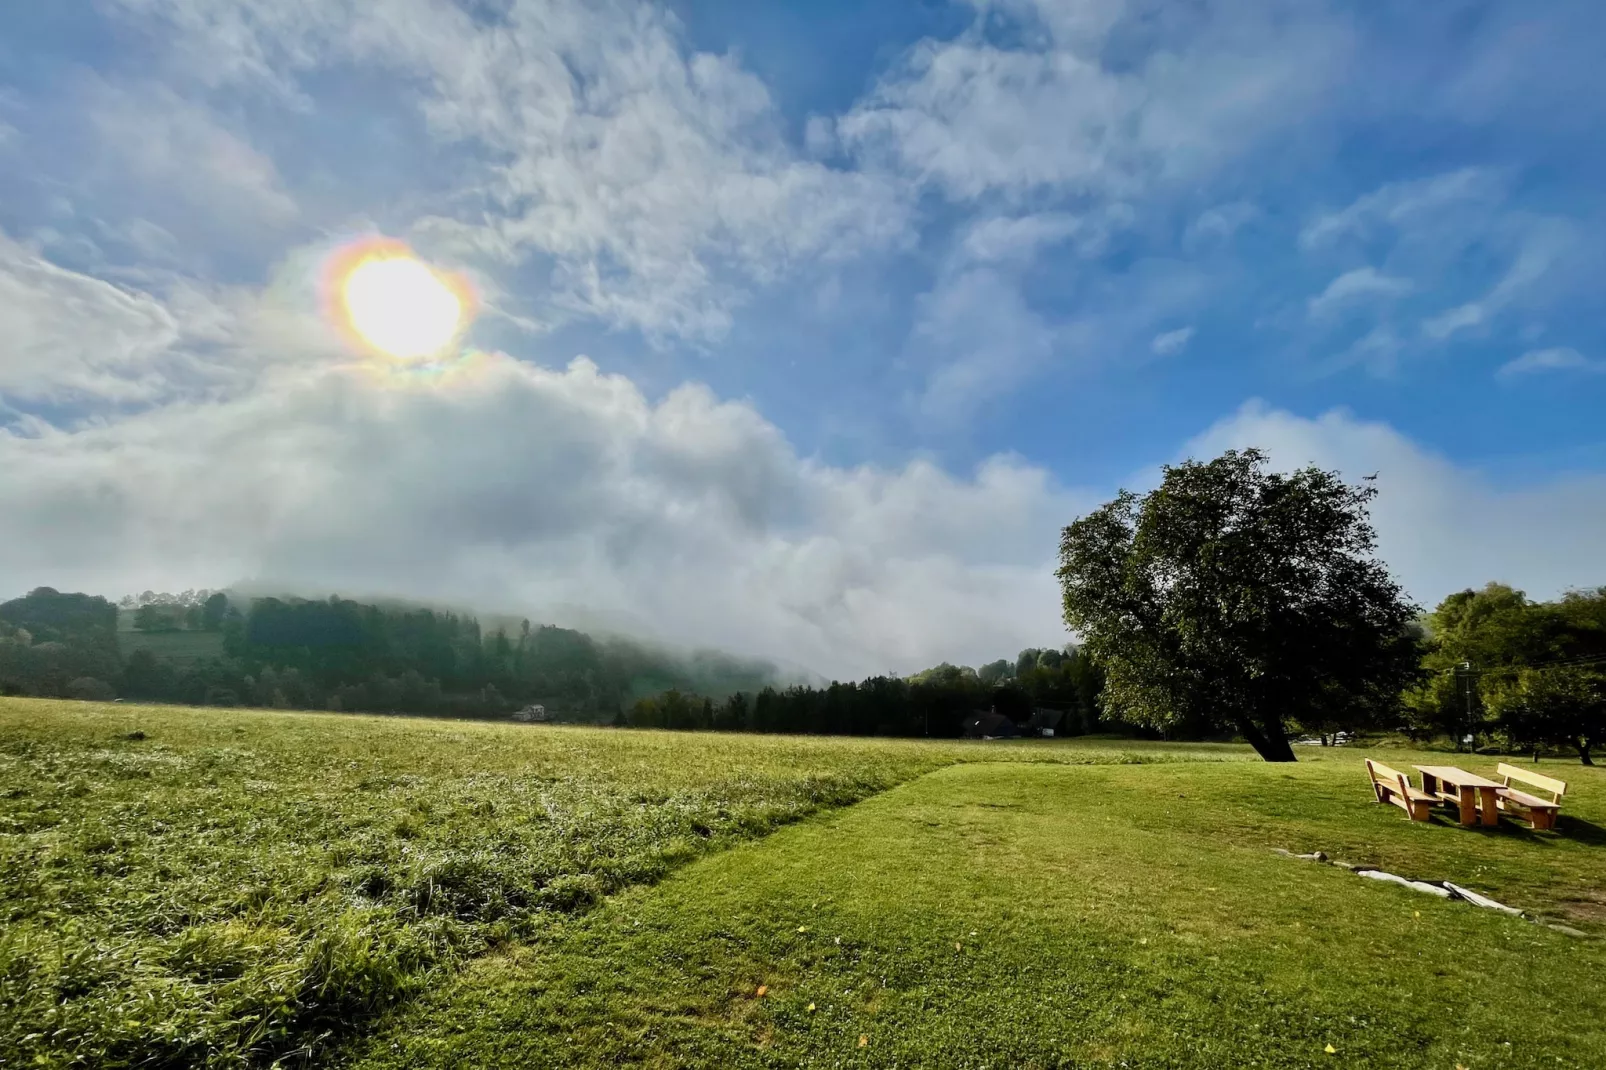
x=1560, y=706
x=1492, y=652
x=1236, y=596
x=1471, y=633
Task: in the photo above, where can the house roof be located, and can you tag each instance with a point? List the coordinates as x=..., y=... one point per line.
x=990, y=723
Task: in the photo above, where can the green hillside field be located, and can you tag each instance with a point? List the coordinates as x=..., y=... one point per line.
x=186, y=887
x=183, y=649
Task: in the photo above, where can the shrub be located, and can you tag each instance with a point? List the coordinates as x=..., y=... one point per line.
x=91, y=689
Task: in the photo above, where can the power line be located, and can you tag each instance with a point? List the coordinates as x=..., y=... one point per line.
x=1559, y=663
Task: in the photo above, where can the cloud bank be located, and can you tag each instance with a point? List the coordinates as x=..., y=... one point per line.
x=690, y=519
x=514, y=488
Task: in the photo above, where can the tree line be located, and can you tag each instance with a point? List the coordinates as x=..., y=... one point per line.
x=1528, y=674
x=338, y=654
x=934, y=703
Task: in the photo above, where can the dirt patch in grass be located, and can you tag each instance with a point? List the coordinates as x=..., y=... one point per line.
x=1589, y=907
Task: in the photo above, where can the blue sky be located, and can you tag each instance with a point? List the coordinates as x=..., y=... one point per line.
x=870, y=298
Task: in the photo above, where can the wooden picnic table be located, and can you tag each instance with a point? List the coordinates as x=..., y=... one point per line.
x=1475, y=795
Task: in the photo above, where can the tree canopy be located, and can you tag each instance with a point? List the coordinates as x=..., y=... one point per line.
x=934, y=703
x=1229, y=600
x=1530, y=673
x=1238, y=596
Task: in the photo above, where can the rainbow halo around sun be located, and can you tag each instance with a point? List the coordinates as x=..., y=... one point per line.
x=394, y=303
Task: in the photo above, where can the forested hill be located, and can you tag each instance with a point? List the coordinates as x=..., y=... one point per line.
x=213, y=648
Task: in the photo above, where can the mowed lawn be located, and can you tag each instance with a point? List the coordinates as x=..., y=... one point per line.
x=186, y=887
x=189, y=887
x=991, y=915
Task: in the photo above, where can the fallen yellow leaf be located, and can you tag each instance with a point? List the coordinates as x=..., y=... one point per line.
x=863, y=1040
x=959, y=947
x=763, y=989
x=811, y=1008
x=1330, y=1050
x=802, y=928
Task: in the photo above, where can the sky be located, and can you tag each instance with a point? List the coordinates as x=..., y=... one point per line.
x=802, y=328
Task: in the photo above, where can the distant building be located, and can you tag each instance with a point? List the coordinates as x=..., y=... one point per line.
x=535, y=714
x=990, y=724
x=1044, y=722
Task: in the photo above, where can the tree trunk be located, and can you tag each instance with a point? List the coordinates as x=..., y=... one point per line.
x=1583, y=752
x=1269, y=741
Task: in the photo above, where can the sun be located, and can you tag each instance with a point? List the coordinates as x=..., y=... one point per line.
x=399, y=305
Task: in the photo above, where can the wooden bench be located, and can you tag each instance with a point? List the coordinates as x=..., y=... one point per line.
x=1541, y=812
x=1393, y=786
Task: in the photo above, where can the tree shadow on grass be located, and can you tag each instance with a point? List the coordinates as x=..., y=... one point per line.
x=1576, y=828
x=1568, y=827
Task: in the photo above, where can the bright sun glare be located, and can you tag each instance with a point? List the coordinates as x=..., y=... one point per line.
x=399, y=306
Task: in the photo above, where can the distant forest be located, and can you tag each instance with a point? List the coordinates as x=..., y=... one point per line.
x=216, y=649
x=1056, y=689
x=1495, y=666
x=206, y=648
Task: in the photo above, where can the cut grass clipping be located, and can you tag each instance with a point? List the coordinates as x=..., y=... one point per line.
x=229, y=888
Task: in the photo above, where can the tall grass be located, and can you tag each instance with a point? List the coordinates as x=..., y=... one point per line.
x=229, y=888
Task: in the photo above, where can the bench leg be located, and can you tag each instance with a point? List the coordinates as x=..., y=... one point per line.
x=1486, y=806
x=1469, y=806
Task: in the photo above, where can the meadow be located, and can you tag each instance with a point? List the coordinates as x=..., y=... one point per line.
x=182, y=649
x=228, y=887
x=238, y=887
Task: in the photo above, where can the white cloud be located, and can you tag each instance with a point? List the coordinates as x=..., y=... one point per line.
x=1356, y=285
x=1468, y=256
x=515, y=488
x=1058, y=110
x=149, y=336
x=692, y=519
x=1549, y=360
x=1219, y=224
x=1018, y=238
x=1172, y=341
x=654, y=182
x=178, y=148
x=1441, y=527
x=64, y=335
x=1454, y=320
x=1543, y=244
x=1099, y=119
x=1378, y=351
x=1405, y=204
x=980, y=340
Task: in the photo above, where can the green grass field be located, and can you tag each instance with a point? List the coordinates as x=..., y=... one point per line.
x=240, y=886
